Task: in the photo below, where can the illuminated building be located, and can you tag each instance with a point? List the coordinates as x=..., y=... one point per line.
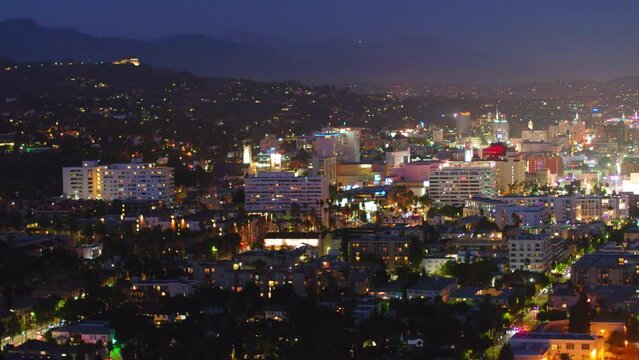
x=531, y=252
x=589, y=208
x=276, y=192
x=392, y=250
x=343, y=143
x=247, y=154
x=134, y=181
x=541, y=345
x=494, y=151
x=395, y=159
x=438, y=136
x=431, y=288
x=534, y=135
x=510, y=171
x=358, y=175
x=462, y=119
x=457, y=182
x=127, y=61
x=554, y=163
x=501, y=129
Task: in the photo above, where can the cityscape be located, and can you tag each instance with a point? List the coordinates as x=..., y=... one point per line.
x=194, y=197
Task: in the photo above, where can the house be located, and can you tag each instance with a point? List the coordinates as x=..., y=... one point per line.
x=36, y=349
x=276, y=313
x=170, y=288
x=500, y=297
x=413, y=341
x=431, y=288
x=90, y=332
x=390, y=290
x=563, y=297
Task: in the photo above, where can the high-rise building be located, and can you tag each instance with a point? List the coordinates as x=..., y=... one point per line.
x=501, y=129
x=134, y=181
x=510, y=170
x=438, y=136
x=277, y=192
x=247, y=154
x=462, y=119
x=344, y=143
x=457, y=182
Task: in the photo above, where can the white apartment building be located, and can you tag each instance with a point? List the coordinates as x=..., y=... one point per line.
x=278, y=191
x=588, y=208
x=540, y=345
x=530, y=252
x=134, y=181
x=457, y=182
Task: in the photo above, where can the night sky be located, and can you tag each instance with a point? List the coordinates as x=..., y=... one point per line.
x=557, y=31
x=479, y=22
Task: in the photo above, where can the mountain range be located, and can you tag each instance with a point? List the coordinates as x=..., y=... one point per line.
x=237, y=55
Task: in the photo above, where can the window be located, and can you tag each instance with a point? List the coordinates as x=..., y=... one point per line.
x=570, y=346
x=585, y=346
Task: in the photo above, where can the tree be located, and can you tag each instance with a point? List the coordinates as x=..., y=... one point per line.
x=506, y=353
x=345, y=245
x=616, y=339
x=415, y=253
x=579, y=316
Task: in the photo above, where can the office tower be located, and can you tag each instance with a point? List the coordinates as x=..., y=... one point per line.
x=462, y=119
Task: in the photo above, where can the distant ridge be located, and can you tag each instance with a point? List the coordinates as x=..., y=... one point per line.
x=254, y=57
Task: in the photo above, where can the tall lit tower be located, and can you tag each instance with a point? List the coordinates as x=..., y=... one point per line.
x=462, y=120
x=247, y=154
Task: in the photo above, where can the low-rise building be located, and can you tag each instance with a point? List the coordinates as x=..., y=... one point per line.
x=170, y=288
x=91, y=332
x=603, y=268
x=575, y=346
x=432, y=288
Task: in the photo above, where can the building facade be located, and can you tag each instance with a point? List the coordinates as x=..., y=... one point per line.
x=134, y=181
x=279, y=192
x=530, y=252
x=459, y=181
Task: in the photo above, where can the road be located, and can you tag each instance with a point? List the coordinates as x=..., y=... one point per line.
x=37, y=334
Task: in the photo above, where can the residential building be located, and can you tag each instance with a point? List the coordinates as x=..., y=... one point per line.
x=134, y=181
x=604, y=268
x=574, y=345
x=510, y=171
x=457, y=182
x=432, y=288
x=589, y=208
x=91, y=332
x=170, y=288
x=393, y=250
x=530, y=252
x=526, y=216
x=277, y=192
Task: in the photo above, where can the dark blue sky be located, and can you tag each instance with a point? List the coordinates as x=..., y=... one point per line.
x=482, y=23
x=591, y=38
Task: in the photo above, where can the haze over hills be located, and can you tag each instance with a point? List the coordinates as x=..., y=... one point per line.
x=261, y=58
